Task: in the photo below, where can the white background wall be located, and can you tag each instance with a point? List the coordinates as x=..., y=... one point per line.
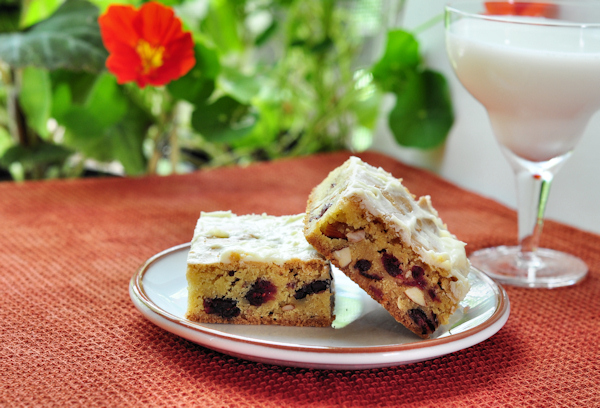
x=471, y=158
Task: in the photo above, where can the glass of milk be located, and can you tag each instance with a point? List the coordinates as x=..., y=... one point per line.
x=535, y=67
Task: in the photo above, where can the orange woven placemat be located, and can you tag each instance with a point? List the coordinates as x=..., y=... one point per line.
x=70, y=335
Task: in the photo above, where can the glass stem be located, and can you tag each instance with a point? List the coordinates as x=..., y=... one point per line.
x=532, y=191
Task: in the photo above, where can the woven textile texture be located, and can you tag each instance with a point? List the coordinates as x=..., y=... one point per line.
x=70, y=335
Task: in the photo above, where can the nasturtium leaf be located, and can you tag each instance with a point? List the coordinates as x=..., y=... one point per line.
x=401, y=57
x=80, y=83
x=127, y=138
x=266, y=129
x=108, y=126
x=61, y=101
x=43, y=153
x=39, y=10
x=5, y=140
x=239, y=86
x=86, y=125
x=192, y=88
x=207, y=60
x=69, y=38
x=224, y=120
x=35, y=98
x=171, y=3
x=105, y=107
x=367, y=107
x=221, y=24
x=422, y=116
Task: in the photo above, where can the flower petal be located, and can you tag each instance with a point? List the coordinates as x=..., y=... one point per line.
x=521, y=9
x=156, y=23
x=123, y=65
x=116, y=26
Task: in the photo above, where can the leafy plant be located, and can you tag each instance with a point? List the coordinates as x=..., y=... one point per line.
x=423, y=114
x=271, y=78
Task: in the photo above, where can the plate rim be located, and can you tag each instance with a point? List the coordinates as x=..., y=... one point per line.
x=136, y=287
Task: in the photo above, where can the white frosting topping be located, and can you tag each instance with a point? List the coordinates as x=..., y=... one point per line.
x=222, y=237
x=417, y=222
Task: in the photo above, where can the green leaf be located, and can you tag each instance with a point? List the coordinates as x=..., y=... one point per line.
x=35, y=98
x=171, y=3
x=80, y=83
x=70, y=39
x=207, y=60
x=61, y=101
x=239, y=86
x=367, y=105
x=5, y=140
x=265, y=131
x=106, y=101
x=105, y=107
x=126, y=139
x=38, y=10
x=422, y=116
x=109, y=126
x=400, y=59
x=221, y=25
x=224, y=120
x=192, y=88
x=42, y=154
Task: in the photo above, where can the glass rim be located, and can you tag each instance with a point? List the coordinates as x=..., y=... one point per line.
x=454, y=7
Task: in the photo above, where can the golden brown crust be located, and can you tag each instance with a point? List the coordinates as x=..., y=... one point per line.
x=318, y=321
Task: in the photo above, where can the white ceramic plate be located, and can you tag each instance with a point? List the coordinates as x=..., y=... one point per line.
x=363, y=335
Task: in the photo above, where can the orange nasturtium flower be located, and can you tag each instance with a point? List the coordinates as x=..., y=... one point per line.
x=146, y=45
x=513, y=8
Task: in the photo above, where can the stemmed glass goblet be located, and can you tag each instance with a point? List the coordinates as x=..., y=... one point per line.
x=538, y=76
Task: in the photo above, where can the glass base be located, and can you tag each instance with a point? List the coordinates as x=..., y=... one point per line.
x=545, y=268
